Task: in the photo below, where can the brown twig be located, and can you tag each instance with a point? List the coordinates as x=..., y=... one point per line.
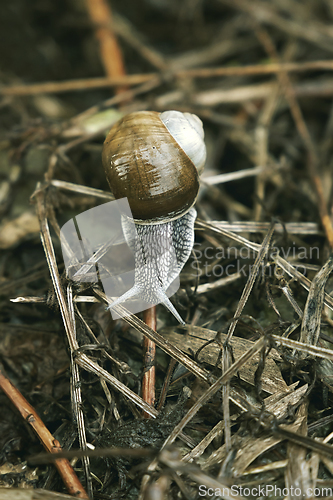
x=127, y=80
x=111, y=56
x=149, y=350
x=66, y=471
x=73, y=85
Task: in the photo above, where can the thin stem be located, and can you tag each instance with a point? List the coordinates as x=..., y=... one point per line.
x=149, y=352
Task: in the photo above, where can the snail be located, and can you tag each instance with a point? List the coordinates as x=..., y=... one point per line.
x=155, y=160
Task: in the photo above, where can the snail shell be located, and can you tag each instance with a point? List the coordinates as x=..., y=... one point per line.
x=154, y=160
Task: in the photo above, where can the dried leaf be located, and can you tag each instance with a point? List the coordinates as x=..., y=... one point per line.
x=194, y=339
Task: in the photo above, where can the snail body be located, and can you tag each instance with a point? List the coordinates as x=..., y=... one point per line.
x=155, y=160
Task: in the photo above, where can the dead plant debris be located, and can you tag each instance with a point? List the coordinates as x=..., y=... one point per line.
x=239, y=403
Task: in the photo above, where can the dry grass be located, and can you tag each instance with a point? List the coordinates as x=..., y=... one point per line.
x=244, y=391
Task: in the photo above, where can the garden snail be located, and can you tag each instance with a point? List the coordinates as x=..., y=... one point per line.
x=154, y=160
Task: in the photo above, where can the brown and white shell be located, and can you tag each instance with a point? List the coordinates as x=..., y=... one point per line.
x=154, y=160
